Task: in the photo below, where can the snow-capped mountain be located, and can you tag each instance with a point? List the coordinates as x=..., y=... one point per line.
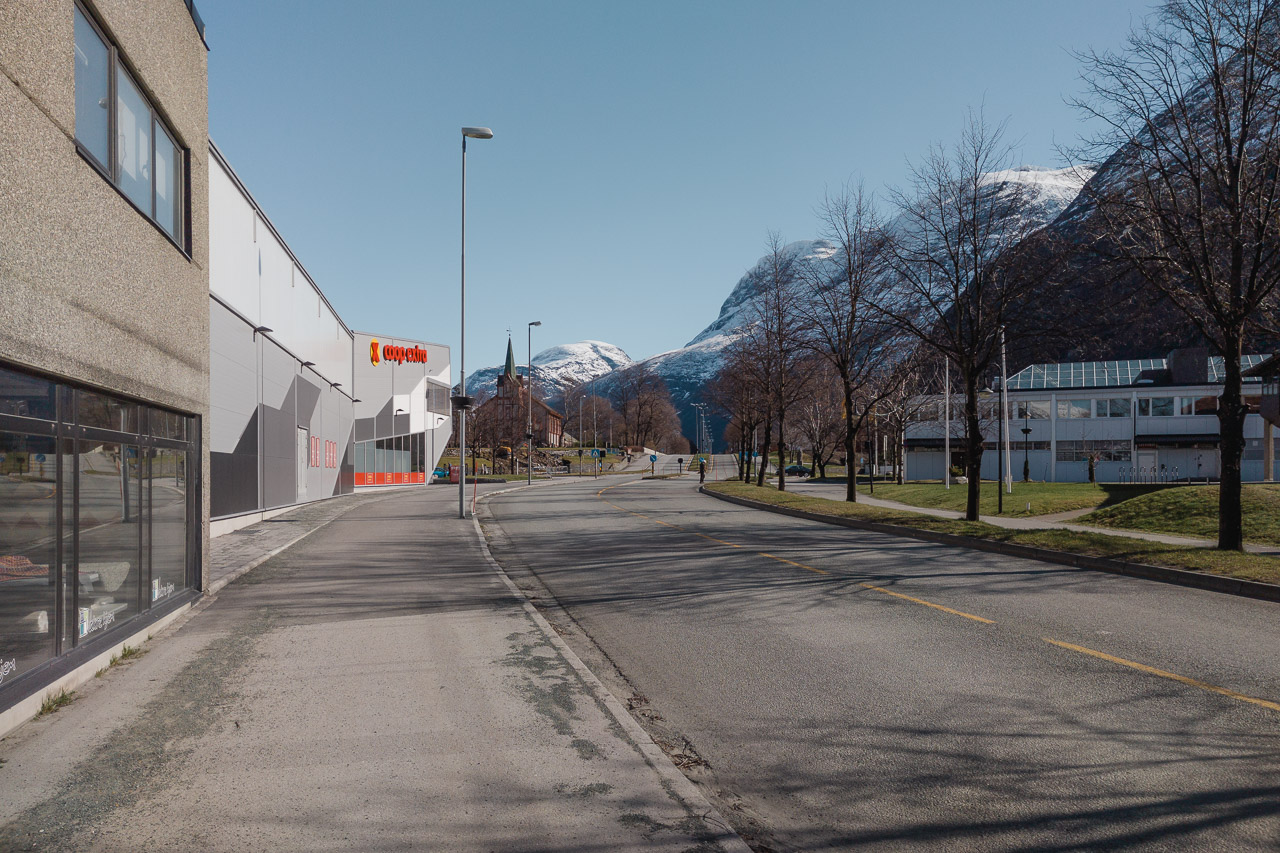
x=687, y=369
x=559, y=368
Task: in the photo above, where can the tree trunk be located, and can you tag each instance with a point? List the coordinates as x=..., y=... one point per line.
x=1231, y=429
x=782, y=455
x=851, y=482
x=973, y=448
x=763, y=464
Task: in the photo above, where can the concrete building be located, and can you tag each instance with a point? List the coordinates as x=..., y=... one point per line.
x=403, y=415
x=302, y=407
x=1145, y=419
x=104, y=348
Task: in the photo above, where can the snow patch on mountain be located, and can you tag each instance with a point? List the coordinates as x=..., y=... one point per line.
x=558, y=368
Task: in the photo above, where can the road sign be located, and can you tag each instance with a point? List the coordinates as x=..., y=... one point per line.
x=595, y=454
x=652, y=458
x=39, y=457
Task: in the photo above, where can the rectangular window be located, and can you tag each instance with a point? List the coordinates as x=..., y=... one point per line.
x=168, y=187
x=1119, y=407
x=93, y=91
x=133, y=142
x=1161, y=407
x=110, y=511
x=1206, y=405
x=28, y=545
x=1036, y=410
x=1186, y=405
x=27, y=396
x=1144, y=407
x=103, y=411
x=168, y=484
x=1075, y=408
x=124, y=135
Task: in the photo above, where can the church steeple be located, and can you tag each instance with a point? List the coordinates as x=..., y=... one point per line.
x=510, y=372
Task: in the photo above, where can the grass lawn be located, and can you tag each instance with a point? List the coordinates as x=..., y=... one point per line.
x=1193, y=511
x=1236, y=565
x=1044, y=498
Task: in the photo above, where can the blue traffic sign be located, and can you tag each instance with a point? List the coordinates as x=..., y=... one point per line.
x=39, y=457
x=653, y=458
x=594, y=453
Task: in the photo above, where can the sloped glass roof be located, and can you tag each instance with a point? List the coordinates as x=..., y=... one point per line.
x=1104, y=374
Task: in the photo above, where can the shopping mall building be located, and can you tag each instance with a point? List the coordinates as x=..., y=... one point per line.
x=168, y=369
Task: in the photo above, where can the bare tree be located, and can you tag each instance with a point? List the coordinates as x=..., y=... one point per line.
x=840, y=308
x=956, y=283
x=774, y=343
x=909, y=396
x=1194, y=104
x=822, y=417
x=734, y=392
x=643, y=403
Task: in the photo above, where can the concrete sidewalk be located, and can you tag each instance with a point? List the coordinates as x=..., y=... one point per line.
x=377, y=685
x=1055, y=521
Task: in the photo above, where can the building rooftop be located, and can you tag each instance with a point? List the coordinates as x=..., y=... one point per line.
x=1112, y=374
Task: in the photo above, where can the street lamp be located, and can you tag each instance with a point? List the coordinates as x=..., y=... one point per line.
x=529, y=434
x=1026, y=443
x=462, y=402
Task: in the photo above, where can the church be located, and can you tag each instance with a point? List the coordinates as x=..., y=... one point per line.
x=508, y=411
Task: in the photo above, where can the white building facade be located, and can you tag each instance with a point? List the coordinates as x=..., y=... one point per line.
x=1145, y=420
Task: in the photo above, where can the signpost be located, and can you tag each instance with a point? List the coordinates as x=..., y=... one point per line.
x=653, y=458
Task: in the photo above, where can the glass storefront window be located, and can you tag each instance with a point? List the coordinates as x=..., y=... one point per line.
x=110, y=510
x=127, y=512
x=1036, y=410
x=106, y=412
x=1119, y=407
x=168, y=486
x=168, y=424
x=1161, y=407
x=27, y=396
x=28, y=552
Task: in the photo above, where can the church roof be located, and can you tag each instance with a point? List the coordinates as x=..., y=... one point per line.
x=510, y=372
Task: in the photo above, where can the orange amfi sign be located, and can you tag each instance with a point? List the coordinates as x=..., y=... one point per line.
x=390, y=352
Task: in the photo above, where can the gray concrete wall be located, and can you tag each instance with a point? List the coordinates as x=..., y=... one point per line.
x=90, y=290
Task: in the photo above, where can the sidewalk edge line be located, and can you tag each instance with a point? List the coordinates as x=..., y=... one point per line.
x=1179, y=577
x=661, y=763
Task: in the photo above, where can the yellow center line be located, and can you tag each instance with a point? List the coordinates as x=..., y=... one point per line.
x=807, y=568
x=1173, y=676
x=929, y=604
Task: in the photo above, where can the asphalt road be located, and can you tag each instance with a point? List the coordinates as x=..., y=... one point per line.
x=852, y=690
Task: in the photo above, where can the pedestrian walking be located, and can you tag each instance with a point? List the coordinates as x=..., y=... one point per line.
x=702, y=470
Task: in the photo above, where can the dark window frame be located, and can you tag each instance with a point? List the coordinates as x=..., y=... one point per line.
x=117, y=61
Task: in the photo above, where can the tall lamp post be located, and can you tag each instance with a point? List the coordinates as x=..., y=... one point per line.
x=462, y=402
x=1026, y=443
x=529, y=434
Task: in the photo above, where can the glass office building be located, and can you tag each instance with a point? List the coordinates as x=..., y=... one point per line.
x=99, y=518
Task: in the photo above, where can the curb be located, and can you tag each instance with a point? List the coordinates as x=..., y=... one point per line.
x=672, y=778
x=1179, y=577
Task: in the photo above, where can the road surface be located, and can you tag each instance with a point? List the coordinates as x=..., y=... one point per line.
x=852, y=690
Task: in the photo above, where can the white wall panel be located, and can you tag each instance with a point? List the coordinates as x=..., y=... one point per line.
x=233, y=255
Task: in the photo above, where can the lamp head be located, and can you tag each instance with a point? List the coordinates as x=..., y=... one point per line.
x=477, y=132
x=536, y=323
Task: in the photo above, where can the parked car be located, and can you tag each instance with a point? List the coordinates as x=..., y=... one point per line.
x=798, y=471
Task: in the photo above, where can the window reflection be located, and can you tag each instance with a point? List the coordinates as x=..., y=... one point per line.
x=106, y=412
x=27, y=396
x=110, y=509
x=28, y=549
x=168, y=483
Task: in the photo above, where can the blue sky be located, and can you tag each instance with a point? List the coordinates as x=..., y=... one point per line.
x=642, y=151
